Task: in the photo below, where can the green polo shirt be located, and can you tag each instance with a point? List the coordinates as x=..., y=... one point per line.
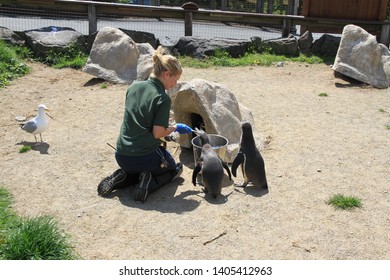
x=146, y=104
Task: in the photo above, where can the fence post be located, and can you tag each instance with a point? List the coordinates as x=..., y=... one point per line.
x=188, y=9
x=286, y=28
x=385, y=34
x=259, y=6
x=223, y=5
x=92, y=19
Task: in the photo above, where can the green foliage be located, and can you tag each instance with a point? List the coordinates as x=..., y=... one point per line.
x=25, y=149
x=72, y=57
x=36, y=238
x=7, y=217
x=344, y=202
x=323, y=94
x=251, y=58
x=11, y=65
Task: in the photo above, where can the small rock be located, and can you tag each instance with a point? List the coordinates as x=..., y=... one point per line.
x=20, y=118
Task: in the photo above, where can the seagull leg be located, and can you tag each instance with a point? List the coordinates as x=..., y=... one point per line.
x=36, y=141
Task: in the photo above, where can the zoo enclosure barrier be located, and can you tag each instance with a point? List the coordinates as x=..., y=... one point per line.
x=92, y=12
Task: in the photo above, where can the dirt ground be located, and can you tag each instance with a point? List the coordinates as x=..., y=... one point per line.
x=318, y=146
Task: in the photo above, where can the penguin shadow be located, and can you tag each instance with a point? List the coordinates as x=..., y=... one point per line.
x=252, y=190
x=221, y=199
x=41, y=147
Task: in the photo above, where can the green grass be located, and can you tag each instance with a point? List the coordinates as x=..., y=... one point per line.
x=223, y=59
x=8, y=219
x=25, y=149
x=323, y=94
x=71, y=57
x=11, y=63
x=344, y=202
x=38, y=238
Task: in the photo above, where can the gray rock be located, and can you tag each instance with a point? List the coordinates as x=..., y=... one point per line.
x=202, y=47
x=54, y=38
x=215, y=107
x=283, y=46
x=326, y=45
x=362, y=58
x=305, y=42
x=137, y=36
x=115, y=57
x=10, y=37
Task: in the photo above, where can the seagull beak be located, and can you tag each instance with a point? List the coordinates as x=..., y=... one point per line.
x=49, y=116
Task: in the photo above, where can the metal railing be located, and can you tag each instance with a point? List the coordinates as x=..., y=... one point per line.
x=93, y=12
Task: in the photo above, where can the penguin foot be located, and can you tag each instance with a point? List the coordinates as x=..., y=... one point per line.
x=242, y=185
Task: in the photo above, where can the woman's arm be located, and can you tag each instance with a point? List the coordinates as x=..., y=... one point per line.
x=160, y=131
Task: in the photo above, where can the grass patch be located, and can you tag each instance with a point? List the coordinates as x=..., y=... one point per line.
x=72, y=57
x=11, y=63
x=323, y=94
x=38, y=238
x=344, y=202
x=223, y=59
x=25, y=149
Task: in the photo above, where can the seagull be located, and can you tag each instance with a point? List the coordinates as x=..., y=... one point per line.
x=38, y=124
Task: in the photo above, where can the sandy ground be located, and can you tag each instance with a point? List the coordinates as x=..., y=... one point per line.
x=319, y=146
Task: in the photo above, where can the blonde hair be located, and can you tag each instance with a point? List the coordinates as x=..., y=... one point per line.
x=163, y=61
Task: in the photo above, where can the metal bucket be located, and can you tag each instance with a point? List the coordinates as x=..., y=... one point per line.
x=218, y=142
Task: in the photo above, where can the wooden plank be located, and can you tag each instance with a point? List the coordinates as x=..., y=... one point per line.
x=382, y=10
x=347, y=9
x=305, y=8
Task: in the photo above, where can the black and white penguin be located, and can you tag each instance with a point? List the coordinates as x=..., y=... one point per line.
x=211, y=167
x=250, y=159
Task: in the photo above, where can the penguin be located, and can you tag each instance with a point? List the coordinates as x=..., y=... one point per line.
x=250, y=159
x=211, y=167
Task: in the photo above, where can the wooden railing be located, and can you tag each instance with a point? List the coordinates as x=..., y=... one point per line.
x=188, y=12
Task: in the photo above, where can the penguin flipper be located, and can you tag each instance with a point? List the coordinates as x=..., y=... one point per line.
x=195, y=173
x=227, y=169
x=239, y=159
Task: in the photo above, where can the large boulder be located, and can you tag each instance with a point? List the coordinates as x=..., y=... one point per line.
x=282, y=46
x=10, y=37
x=305, y=42
x=202, y=47
x=326, y=45
x=362, y=58
x=212, y=107
x=53, y=38
x=138, y=36
x=115, y=57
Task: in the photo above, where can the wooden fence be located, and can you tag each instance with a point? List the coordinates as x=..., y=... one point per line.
x=94, y=11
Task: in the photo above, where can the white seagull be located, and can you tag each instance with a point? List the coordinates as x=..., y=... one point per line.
x=38, y=124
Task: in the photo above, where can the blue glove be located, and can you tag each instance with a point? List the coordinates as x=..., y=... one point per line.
x=183, y=128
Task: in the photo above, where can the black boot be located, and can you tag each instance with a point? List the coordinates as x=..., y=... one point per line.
x=115, y=181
